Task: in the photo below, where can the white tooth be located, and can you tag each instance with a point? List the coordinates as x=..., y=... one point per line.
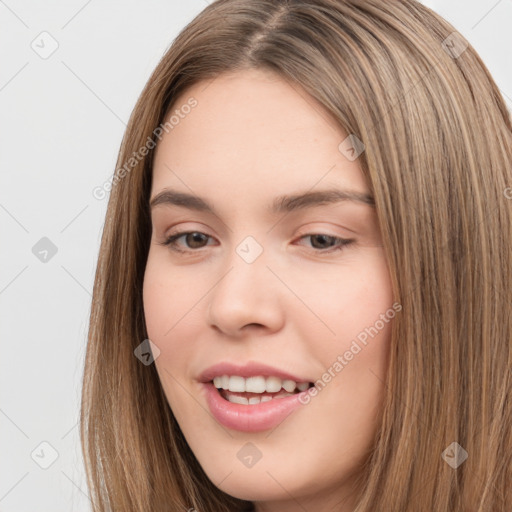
x=237, y=384
x=255, y=384
x=303, y=386
x=254, y=400
x=282, y=395
x=235, y=399
x=289, y=385
x=266, y=398
x=273, y=384
x=225, y=382
x=217, y=382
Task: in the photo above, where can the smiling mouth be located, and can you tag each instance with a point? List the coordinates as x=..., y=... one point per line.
x=257, y=397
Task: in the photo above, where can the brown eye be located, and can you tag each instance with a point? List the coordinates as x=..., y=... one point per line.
x=322, y=241
x=193, y=240
x=327, y=243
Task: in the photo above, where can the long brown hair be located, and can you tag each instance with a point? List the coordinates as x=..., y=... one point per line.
x=438, y=158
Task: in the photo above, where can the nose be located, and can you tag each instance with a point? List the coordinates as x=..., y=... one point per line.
x=246, y=298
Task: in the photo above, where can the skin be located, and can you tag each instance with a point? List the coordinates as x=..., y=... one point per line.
x=298, y=306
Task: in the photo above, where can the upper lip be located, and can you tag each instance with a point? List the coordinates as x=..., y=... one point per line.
x=250, y=369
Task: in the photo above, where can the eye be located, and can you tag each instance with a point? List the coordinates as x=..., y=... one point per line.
x=196, y=240
x=320, y=240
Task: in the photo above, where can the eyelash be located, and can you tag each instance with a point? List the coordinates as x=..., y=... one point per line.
x=171, y=242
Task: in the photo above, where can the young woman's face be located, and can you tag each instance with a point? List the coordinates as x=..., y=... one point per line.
x=267, y=281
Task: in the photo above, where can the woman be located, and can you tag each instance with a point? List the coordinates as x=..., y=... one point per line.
x=302, y=298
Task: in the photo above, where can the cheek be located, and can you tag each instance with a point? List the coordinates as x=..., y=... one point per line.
x=355, y=305
x=157, y=302
x=346, y=299
x=168, y=296
x=164, y=305
x=172, y=300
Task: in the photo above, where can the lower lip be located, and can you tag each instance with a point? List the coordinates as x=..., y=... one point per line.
x=250, y=418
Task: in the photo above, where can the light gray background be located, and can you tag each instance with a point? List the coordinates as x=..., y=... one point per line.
x=62, y=120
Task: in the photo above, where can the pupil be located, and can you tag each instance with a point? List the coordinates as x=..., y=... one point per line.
x=195, y=237
x=322, y=237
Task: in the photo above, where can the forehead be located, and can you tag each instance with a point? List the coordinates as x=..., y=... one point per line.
x=251, y=131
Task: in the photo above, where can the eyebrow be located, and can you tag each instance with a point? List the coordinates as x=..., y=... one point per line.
x=281, y=204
